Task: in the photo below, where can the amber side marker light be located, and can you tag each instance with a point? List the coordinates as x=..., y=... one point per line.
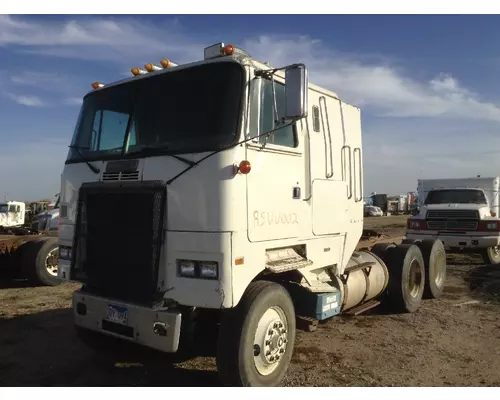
x=244, y=168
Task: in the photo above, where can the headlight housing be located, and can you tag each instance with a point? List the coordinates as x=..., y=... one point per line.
x=198, y=269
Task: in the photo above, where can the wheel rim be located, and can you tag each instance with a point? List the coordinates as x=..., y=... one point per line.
x=270, y=342
x=440, y=269
x=494, y=252
x=52, y=261
x=415, y=278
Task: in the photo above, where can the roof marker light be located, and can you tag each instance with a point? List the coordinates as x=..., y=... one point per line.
x=152, y=67
x=138, y=71
x=97, y=85
x=228, y=50
x=166, y=63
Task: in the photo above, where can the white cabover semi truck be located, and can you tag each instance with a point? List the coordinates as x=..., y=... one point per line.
x=463, y=213
x=228, y=188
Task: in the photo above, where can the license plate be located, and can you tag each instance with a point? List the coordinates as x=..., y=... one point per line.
x=117, y=314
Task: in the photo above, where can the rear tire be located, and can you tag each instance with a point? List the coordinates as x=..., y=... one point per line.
x=256, y=338
x=39, y=261
x=406, y=278
x=491, y=255
x=434, y=256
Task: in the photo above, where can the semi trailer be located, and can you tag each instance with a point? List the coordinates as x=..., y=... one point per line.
x=230, y=189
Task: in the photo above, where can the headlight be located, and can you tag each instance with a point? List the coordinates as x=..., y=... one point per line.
x=187, y=268
x=208, y=269
x=492, y=225
x=65, y=253
x=198, y=269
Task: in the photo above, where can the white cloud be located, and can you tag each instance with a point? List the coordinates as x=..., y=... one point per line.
x=27, y=100
x=411, y=122
x=98, y=38
x=381, y=88
x=377, y=86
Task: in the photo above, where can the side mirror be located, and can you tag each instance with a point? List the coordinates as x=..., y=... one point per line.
x=296, y=90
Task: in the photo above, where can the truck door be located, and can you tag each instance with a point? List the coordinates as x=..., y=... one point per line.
x=275, y=185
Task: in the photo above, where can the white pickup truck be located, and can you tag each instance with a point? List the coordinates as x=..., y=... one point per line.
x=462, y=213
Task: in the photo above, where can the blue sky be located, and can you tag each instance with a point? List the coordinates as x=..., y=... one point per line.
x=428, y=86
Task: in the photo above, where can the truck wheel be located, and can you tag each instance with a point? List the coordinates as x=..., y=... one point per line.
x=256, y=338
x=491, y=255
x=406, y=278
x=434, y=256
x=40, y=261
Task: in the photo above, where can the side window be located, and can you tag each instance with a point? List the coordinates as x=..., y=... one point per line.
x=283, y=136
x=108, y=130
x=315, y=116
x=12, y=208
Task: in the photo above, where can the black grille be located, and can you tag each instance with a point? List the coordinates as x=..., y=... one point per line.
x=466, y=225
x=118, y=239
x=453, y=214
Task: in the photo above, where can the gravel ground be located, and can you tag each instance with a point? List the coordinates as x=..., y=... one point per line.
x=446, y=342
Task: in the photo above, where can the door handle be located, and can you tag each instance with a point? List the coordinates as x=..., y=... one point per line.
x=296, y=192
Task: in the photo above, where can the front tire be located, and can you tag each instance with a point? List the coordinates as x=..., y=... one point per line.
x=491, y=255
x=256, y=339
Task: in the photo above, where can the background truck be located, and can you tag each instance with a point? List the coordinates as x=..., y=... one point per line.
x=12, y=213
x=29, y=253
x=462, y=213
x=229, y=193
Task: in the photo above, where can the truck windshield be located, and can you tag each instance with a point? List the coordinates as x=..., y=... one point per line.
x=4, y=208
x=461, y=196
x=191, y=110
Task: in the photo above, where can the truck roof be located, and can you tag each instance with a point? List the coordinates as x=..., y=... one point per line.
x=242, y=59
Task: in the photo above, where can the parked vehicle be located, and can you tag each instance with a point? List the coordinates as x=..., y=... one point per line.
x=219, y=192
x=373, y=211
x=462, y=213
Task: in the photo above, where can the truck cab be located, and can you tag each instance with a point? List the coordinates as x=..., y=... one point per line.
x=228, y=188
x=12, y=213
x=462, y=218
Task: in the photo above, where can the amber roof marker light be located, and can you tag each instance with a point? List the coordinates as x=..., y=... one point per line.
x=97, y=85
x=151, y=67
x=138, y=71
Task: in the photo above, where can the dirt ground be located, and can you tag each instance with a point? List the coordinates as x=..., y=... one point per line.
x=448, y=342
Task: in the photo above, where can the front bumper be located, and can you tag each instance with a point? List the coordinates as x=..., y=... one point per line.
x=457, y=241
x=159, y=330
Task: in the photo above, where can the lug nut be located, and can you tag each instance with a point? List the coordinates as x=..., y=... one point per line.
x=271, y=358
x=268, y=353
x=268, y=342
x=282, y=351
x=277, y=358
x=275, y=325
x=270, y=332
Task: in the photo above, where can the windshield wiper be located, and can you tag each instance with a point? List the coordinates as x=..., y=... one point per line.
x=95, y=170
x=152, y=150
